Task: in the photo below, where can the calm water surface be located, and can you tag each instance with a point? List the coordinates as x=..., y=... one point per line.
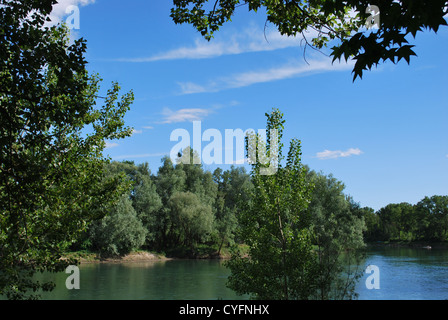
x=162, y=280
x=405, y=273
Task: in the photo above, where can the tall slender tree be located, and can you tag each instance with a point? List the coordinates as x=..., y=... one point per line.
x=280, y=262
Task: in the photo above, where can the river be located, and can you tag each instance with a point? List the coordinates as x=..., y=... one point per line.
x=400, y=274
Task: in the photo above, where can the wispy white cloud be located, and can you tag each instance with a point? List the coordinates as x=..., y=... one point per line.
x=251, y=39
x=190, y=87
x=327, y=154
x=138, y=156
x=110, y=144
x=183, y=115
x=290, y=70
x=200, y=50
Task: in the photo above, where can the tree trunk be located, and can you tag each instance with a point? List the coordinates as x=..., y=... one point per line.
x=220, y=246
x=285, y=277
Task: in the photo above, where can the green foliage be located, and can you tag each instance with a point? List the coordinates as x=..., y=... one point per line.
x=337, y=225
x=280, y=263
x=145, y=199
x=182, y=206
x=52, y=135
x=425, y=221
x=433, y=216
x=192, y=220
x=329, y=20
x=234, y=189
x=395, y=220
x=146, y=203
x=188, y=196
x=119, y=232
x=372, y=223
x=304, y=235
x=129, y=224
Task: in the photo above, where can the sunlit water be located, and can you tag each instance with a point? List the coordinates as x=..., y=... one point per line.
x=404, y=274
x=407, y=274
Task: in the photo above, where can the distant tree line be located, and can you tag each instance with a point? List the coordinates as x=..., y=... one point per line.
x=425, y=221
x=179, y=208
x=184, y=206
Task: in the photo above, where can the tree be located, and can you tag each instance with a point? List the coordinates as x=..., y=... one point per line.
x=234, y=188
x=184, y=184
x=372, y=221
x=142, y=193
x=197, y=180
x=408, y=222
x=168, y=181
x=433, y=216
x=119, y=232
x=280, y=262
x=337, y=225
x=343, y=21
x=192, y=220
x=192, y=209
x=146, y=204
x=397, y=221
x=52, y=136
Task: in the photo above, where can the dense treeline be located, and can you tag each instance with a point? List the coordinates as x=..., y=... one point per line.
x=425, y=221
x=183, y=207
x=179, y=208
x=176, y=210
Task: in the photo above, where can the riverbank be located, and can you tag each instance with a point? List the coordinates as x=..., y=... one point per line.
x=206, y=252
x=90, y=257
x=410, y=244
x=142, y=255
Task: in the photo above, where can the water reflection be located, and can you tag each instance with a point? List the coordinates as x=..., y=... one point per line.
x=405, y=273
x=173, y=279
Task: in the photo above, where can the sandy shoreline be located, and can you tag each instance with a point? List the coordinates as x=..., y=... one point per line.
x=140, y=256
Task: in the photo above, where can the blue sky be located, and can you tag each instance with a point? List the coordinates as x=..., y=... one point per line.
x=384, y=136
